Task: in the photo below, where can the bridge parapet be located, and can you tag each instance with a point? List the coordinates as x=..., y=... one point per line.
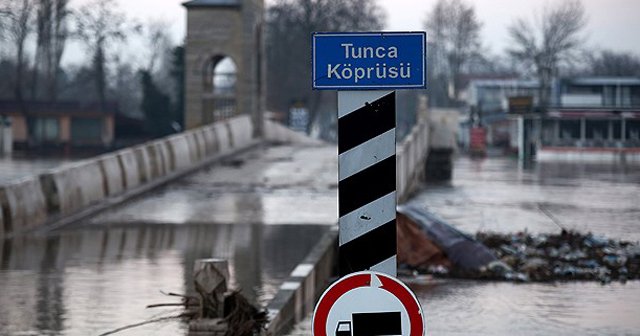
x=71, y=189
x=411, y=155
x=68, y=192
x=23, y=206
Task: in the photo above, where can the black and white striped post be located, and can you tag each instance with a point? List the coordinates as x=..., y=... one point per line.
x=367, y=181
x=360, y=66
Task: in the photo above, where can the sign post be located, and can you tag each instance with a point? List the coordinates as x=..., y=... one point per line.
x=367, y=181
x=366, y=68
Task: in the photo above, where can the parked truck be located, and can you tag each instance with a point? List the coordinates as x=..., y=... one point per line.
x=371, y=324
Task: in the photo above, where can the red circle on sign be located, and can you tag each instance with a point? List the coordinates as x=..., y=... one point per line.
x=363, y=279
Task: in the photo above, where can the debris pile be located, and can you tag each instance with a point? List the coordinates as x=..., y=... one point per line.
x=428, y=244
x=565, y=256
x=240, y=318
x=215, y=310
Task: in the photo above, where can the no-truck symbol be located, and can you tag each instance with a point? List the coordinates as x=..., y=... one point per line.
x=368, y=304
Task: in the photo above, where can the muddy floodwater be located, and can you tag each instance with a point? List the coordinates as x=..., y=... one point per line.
x=92, y=279
x=100, y=275
x=461, y=307
x=496, y=194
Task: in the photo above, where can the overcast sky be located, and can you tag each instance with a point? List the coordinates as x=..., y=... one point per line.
x=613, y=24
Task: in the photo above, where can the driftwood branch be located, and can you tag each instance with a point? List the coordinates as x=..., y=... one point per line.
x=135, y=325
x=185, y=304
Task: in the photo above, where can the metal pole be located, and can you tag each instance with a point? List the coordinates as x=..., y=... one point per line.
x=367, y=181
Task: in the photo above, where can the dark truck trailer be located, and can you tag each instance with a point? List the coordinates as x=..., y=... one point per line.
x=371, y=324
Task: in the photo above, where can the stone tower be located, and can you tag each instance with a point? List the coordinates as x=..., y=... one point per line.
x=217, y=29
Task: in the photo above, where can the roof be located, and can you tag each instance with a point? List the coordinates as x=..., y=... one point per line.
x=212, y=3
x=605, y=81
x=506, y=83
x=59, y=107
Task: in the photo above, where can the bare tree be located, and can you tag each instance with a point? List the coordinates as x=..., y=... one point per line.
x=611, y=63
x=5, y=16
x=290, y=24
x=548, y=41
x=99, y=24
x=127, y=91
x=158, y=42
x=454, y=31
x=50, y=43
x=18, y=14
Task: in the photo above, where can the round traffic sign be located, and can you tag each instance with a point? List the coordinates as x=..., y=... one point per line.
x=368, y=303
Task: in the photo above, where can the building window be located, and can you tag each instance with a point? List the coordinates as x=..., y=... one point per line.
x=597, y=129
x=633, y=130
x=46, y=129
x=635, y=96
x=548, y=132
x=616, y=127
x=569, y=129
x=86, y=129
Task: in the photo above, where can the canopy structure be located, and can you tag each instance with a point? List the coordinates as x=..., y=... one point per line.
x=212, y=3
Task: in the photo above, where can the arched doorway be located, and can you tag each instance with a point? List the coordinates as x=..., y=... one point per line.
x=215, y=29
x=220, y=89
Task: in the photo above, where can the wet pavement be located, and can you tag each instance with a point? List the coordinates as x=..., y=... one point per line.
x=267, y=185
x=262, y=210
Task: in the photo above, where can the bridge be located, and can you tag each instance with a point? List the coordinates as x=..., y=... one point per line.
x=267, y=204
x=121, y=227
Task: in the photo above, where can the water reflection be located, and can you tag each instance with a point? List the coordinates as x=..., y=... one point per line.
x=494, y=194
x=458, y=307
x=90, y=280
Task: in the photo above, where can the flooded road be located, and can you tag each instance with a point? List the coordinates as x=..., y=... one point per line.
x=495, y=194
x=263, y=210
x=90, y=280
x=459, y=307
x=267, y=185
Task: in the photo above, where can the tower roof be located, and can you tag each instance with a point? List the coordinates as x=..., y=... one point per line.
x=212, y=3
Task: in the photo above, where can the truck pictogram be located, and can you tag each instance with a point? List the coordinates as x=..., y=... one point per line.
x=371, y=324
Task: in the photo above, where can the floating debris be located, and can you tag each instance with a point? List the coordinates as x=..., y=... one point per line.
x=213, y=310
x=429, y=245
x=565, y=256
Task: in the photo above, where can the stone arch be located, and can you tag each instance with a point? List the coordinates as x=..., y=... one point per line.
x=219, y=88
x=215, y=29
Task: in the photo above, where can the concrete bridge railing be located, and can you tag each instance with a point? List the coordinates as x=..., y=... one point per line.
x=411, y=156
x=65, y=191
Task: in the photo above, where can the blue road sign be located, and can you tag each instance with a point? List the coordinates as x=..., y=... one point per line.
x=366, y=61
